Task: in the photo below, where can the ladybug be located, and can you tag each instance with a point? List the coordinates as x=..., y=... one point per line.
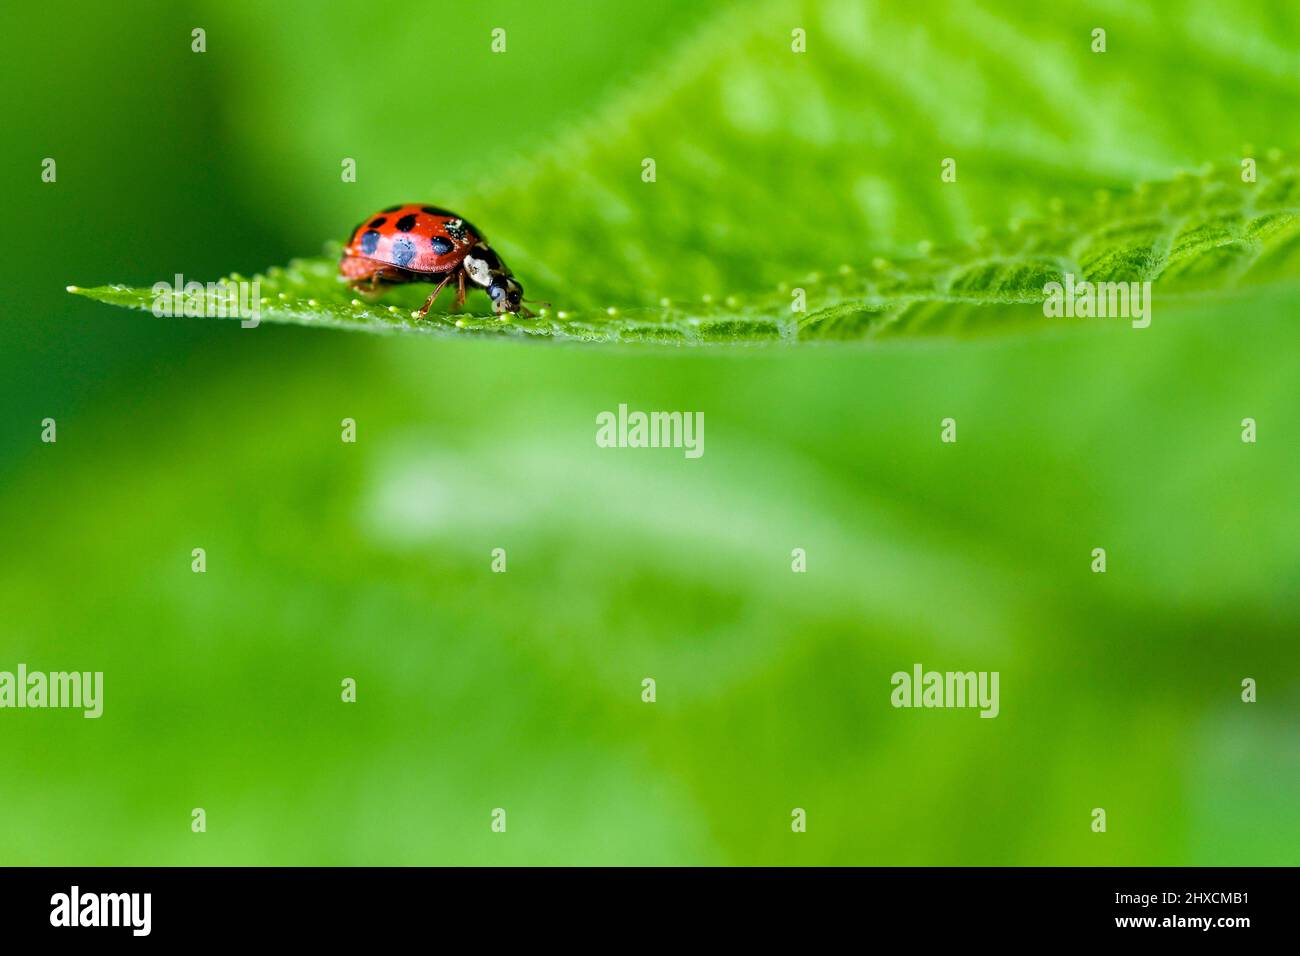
x=412, y=242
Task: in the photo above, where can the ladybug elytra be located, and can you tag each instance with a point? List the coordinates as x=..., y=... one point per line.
x=412, y=242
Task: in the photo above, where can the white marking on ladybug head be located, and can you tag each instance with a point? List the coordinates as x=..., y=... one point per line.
x=506, y=294
x=477, y=269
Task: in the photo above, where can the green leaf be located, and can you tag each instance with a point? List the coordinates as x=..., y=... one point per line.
x=1187, y=236
x=776, y=171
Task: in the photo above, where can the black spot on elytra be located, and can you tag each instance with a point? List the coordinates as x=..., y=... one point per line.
x=403, y=251
x=369, y=242
x=391, y=209
x=437, y=211
x=406, y=223
x=379, y=222
x=440, y=245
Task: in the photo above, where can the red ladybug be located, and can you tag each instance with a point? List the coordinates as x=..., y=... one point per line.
x=417, y=243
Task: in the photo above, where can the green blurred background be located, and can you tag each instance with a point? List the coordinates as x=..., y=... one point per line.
x=522, y=690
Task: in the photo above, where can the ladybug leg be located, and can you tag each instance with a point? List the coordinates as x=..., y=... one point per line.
x=368, y=285
x=428, y=303
x=460, y=288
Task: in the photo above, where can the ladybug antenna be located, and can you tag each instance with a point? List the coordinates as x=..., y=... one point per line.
x=529, y=313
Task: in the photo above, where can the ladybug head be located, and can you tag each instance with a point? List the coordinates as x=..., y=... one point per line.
x=505, y=292
x=485, y=268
